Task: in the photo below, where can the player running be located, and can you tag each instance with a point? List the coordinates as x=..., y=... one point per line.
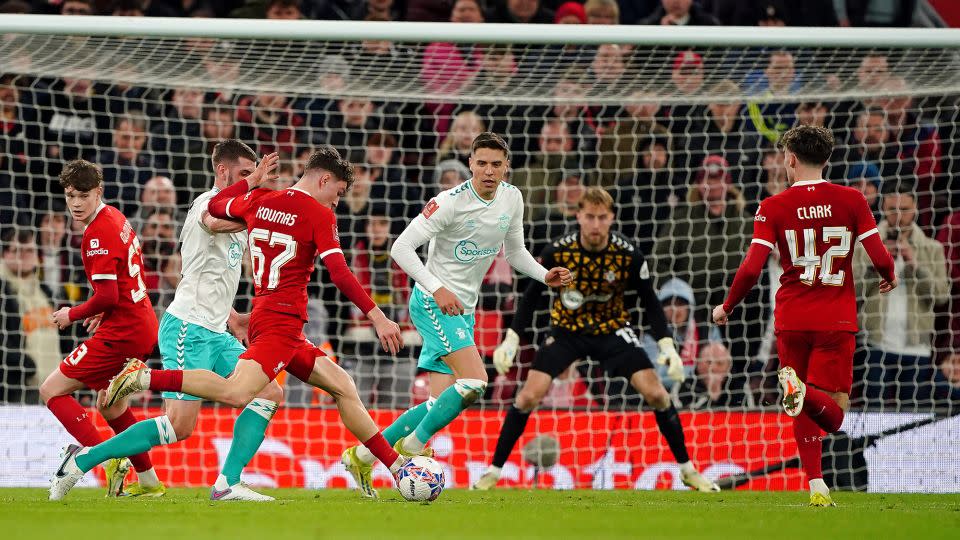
x=815, y=224
x=590, y=318
x=119, y=315
x=193, y=335
x=286, y=230
x=466, y=227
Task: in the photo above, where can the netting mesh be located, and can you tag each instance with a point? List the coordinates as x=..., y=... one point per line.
x=681, y=137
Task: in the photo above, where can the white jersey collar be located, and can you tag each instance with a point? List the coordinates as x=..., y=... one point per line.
x=809, y=182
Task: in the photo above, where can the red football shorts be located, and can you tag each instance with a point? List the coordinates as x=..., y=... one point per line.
x=97, y=360
x=823, y=359
x=277, y=343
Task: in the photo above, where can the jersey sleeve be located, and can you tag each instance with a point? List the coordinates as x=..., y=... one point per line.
x=235, y=202
x=433, y=219
x=104, y=253
x=764, y=230
x=642, y=282
x=325, y=233
x=863, y=217
x=516, y=250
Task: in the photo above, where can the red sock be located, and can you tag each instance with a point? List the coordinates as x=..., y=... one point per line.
x=141, y=462
x=379, y=447
x=166, y=380
x=823, y=410
x=76, y=419
x=809, y=442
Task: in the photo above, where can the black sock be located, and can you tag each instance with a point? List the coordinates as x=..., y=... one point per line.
x=672, y=430
x=513, y=426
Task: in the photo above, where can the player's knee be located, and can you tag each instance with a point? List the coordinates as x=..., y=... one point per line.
x=47, y=392
x=238, y=399
x=470, y=390
x=182, y=426
x=272, y=392
x=659, y=399
x=842, y=400
x=529, y=398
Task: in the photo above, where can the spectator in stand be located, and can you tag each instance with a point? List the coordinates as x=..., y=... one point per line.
x=283, y=10
x=269, y=120
x=457, y=143
x=77, y=7
x=687, y=77
x=161, y=272
x=774, y=12
x=520, y=11
x=883, y=13
x=680, y=13
x=726, y=132
x=949, y=237
x=898, y=327
x=770, y=114
x=645, y=197
x=772, y=180
x=570, y=95
x=128, y=8
x=561, y=214
x=73, y=124
x=355, y=206
x=619, y=146
x=16, y=197
x=545, y=169
x=349, y=125
x=389, y=179
x=870, y=144
x=448, y=174
x=602, y=11
x=918, y=148
x=127, y=165
x=382, y=380
x=570, y=13
x=713, y=386
x=158, y=194
x=56, y=261
x=812, y=114
x=177, y=133
x=947, y=381
x=865, y=177
x=31, y=342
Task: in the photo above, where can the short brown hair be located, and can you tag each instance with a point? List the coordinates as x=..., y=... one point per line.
x=81, y=175
x=327, y=158
x=596, y=195
x=812, y=144
x=491, y=140
x=232, y=150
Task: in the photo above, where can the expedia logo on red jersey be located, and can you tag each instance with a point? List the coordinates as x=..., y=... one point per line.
x=99, y=251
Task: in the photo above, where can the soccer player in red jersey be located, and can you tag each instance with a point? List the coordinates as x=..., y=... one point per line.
x=815, y=224
x=287, y=230
x=119, y=315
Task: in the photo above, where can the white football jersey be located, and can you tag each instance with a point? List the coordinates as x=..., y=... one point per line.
x=465, y=234
x=211, y=270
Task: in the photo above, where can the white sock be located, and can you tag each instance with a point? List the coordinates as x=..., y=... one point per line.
x=493, y=469
x=221, y=483
x=148, y=478
x=365, y=456
x=817, y=485
x=395, y=466
x=412, y=444
x=687, y=467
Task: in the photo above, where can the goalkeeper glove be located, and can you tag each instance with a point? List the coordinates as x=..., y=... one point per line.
x=668, y=355
x=504, y=354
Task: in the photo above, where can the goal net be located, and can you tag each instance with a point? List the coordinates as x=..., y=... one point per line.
x=679, y=126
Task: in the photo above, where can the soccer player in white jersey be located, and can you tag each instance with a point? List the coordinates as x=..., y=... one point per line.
x=466, y=227
x=193, y=335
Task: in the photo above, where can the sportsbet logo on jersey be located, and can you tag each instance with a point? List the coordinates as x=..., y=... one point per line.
x=469, y=251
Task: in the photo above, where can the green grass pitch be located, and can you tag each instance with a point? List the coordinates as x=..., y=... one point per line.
x=303, y=514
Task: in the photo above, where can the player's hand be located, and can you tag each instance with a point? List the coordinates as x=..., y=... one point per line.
x=558, y=277
x=92, y=323
x=239, y=324
x=504, y=354
x=887, y=286
x=668, y=357
x=720, y=315
x=266, y=170
x=61, y=318
x=391, y=339
x=448, y=302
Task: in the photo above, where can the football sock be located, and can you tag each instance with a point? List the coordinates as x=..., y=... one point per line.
x=400, y=428
x=823, y=410
x=75, y=419
x=817, y=485
x=809, y=442
x=248, y=433
x=379, y=447
x=166, y=380
x=141, y=460
x=148, y=478
x=513, y=426
x=136, y=439
x=668, y=420
x=453, y=400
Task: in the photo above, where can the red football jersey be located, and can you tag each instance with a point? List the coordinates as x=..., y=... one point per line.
x=286, y=230
x=816, y=225
x=111, y=250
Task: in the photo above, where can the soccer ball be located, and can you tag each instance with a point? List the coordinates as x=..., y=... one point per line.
x=420, y=479
x=542, y=451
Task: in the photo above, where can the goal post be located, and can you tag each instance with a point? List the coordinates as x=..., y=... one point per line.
x=677, y=123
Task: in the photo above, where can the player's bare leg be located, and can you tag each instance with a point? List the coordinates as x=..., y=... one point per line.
x=469, y=385
x=237, y=391
x=528, y=399
x=648, y=384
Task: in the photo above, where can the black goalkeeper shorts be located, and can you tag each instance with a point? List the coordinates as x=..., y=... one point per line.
x=621, y=353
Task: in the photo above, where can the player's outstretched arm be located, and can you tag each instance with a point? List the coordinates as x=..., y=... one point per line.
x=743, y=281
x=654, y=316
x=106, y=294
x=523, y=262
x=218, y=226
x=230, y=203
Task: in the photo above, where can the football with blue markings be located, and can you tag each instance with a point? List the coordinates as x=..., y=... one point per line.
x=420, y=479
